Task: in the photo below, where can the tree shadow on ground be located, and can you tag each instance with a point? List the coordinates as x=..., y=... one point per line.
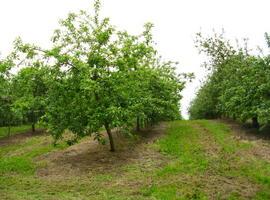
x=20, y=137
x=91, y=157
x=247, y=132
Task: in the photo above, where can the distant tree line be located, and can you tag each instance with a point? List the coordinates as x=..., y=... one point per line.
x=238, y=84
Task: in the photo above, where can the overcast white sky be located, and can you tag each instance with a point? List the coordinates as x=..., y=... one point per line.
x=176, y=22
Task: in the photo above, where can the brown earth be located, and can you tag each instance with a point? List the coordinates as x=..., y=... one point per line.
x=20, y=137
x=259, y=139
x=91, y=157
x=214, y=182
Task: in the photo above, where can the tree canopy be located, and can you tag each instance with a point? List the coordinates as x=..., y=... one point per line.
x=237, y=86
x=94, y=76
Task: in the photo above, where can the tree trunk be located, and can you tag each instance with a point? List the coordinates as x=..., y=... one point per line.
x=8, y=129
x=110, y=137
x=142, y=123
x=138, y=124
x=255, y=122
x=33, y=121
x=9, y=125
x=33, y=127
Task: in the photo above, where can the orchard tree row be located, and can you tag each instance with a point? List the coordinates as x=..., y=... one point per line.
x=22, y=96
x=93, y=76
x=238, y=85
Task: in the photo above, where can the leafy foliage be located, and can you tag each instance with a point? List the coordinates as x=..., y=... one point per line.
x=6, y=114
x=95, y=76
x=29, y=92
x=104, y=77
x=238, y=85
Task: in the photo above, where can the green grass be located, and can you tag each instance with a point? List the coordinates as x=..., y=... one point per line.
x=182, y=142
x=16, y=164
x=18, y=158
x=14, y=130
x=192, y=160
x=221, y=134
x=255, y=169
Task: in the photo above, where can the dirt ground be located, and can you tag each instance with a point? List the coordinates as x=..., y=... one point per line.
x=259, y=139
x=18, y=138
x=91, y=157
x=137, y=160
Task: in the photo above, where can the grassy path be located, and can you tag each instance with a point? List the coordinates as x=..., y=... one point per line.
x=180, y=160
x=14, y=130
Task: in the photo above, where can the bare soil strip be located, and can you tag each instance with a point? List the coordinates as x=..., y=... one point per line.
x=137, y=162
x=20, y=137
x=215, y=183
x=259, y=140
x=91, y=157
